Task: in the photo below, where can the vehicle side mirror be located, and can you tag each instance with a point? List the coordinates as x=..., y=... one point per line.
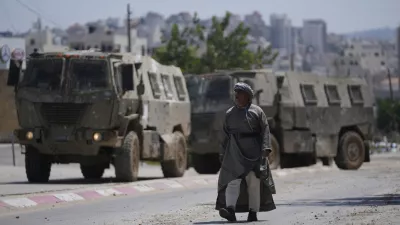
x=140, y=88
x=279, y=81
x=257, y=95
x=14, y=73
x=138, y=65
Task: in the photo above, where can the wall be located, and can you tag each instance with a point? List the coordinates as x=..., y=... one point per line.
x=8, y=117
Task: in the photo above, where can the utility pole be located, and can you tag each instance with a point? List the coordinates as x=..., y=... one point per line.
x=129, y=27
x=390, y=84
x=291, y=61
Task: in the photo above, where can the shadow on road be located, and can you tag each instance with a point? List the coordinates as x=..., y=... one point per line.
x=80, y=181
x=227, y=222
x=379, y=200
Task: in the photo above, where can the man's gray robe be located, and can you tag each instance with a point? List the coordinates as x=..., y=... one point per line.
x=246, y=134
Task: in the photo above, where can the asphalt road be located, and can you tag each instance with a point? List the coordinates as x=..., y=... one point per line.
x=13, y=180
x=370, y=195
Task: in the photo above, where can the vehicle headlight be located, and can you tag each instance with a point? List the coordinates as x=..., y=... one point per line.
x=97, y=136
x=29, y=135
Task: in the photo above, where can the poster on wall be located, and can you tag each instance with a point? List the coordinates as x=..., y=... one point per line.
x=5, y=54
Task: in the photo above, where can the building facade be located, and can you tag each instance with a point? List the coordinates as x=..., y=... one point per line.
x=100, y=36
x=281, y=33
x=314, y=35
x=44, y=41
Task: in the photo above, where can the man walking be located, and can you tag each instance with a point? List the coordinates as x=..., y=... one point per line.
x=244, y=185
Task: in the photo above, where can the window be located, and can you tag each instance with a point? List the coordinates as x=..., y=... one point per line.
x=309, y=96
x=355, y=94
x=376, y=54
x=32, y=41
x=109, y=48
x=155, y=86
x=332, y=94
x=89, y=74
x=44, y=74
x=180, y=88
x=167, y=86
x=127, y=77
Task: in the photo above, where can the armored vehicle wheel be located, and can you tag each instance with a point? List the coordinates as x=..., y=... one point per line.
x=176, y=167
x=127, y=158
x=206, y=164
x=92, y=171
x=274, y=157
x=351, y=151
x=37, y=165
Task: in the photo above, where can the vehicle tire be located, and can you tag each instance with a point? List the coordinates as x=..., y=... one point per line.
x=127, y=159
x=274, y=157
x=327, y=161
x=176, y=167
x=206, y=164
x=92, y=171
x=351, y=151
x=37, y=166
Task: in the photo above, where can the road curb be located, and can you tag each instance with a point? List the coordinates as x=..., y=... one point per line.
x=138, y=188
x=131, y=189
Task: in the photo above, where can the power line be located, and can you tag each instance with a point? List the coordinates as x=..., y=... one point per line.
x=8, y=16
x=36, y=12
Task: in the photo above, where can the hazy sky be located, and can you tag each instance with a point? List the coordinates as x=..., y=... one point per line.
x=341, y=15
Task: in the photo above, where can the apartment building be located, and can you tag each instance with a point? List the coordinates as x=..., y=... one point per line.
x=99, y=35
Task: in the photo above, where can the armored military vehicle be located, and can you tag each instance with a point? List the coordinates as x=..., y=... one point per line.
x=310, y=117
x=97, y=109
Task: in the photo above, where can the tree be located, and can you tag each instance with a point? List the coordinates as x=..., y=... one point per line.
x=388, y=115
x=180, y=49
x=223, y=49
x=264, y=56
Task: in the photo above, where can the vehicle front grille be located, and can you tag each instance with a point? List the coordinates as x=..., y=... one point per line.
x=63, y=113
x=202, y=120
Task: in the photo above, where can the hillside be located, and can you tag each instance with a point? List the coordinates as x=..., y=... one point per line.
x=384, y=34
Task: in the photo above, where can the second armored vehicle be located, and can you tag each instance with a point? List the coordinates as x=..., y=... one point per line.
x=310, y=117
x=97, y=109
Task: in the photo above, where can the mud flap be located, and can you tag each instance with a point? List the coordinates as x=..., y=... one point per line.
x=168, y=147
x=367, y=152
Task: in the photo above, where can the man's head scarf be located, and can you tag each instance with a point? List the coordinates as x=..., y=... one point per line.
x=245, y=88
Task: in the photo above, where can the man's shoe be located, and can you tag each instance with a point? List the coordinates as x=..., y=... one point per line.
x=252, y=216
x=228, y=214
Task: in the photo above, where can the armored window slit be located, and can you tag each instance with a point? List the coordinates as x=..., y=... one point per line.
x=155, y=86
x=167, y=86
x=332, y=94
x=355, y=93
x=308, y=93
x=179, y=88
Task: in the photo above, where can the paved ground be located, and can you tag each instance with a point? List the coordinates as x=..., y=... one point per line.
x=370, y=195
x=13, y=180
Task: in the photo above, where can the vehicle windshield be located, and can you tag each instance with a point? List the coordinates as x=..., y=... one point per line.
x=89, y=74
x=209, y=94
x=43, y=74
x=194, y=84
